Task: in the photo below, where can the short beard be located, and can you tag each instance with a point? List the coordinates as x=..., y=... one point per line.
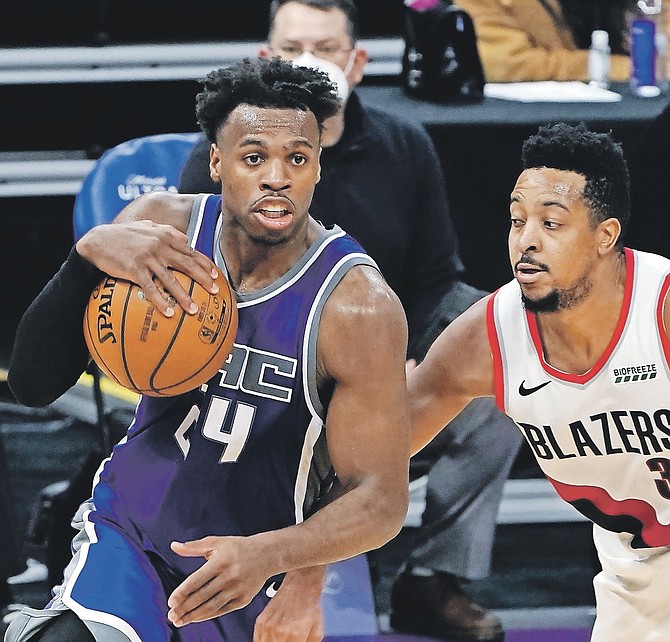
x=559, y=299
x=268, y=241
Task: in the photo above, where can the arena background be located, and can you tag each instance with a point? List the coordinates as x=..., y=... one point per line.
x=543, y=558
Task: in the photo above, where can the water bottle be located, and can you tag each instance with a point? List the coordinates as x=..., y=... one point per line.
x=643, y=49
x=599, y=59
x=661, y=42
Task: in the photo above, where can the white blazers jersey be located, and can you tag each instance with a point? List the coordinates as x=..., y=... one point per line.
x=602, y=437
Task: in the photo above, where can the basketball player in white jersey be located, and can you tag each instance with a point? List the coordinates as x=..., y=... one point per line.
x=576, y=350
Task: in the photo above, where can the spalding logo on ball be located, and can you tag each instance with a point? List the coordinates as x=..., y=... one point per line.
x=138, y=347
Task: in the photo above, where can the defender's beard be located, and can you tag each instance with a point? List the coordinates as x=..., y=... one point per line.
x=559, y=299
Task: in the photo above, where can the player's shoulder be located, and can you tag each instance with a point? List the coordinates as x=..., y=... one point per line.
x=471, y=325
x=363, y=327
x=363, y=298
x=462, y=353
x=365, y=284
x=168, y=208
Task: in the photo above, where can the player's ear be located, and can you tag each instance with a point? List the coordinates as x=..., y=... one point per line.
x=214, y=163
x=609, y=232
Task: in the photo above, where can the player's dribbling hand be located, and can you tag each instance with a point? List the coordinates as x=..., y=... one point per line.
x=230, y=578
x=294, y=614
x=143, y=252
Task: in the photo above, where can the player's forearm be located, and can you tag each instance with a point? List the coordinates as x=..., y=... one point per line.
x=49, y=351
x=362, y=519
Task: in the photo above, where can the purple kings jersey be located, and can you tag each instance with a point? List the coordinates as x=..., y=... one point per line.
x=247, y=452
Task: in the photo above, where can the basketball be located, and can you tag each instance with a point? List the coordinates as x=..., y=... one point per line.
x=138, y=347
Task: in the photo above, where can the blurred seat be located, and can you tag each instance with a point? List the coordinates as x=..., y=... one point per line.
x=124, y=172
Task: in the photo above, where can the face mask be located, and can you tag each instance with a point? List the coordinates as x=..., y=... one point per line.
x=337, y=76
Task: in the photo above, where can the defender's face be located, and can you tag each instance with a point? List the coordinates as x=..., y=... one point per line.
x=552, y=243
x=268, y=163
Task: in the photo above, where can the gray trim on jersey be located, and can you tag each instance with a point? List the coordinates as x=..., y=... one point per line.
x=320, y=463
x=325, y=237
x=195, y=219
x=309, y=356
x=31, y=621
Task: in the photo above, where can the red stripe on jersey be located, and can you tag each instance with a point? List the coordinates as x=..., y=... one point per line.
x=496, y=353
x=659, y=318
x=653, y=533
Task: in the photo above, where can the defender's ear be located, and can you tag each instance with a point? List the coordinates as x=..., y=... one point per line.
x=610, y=231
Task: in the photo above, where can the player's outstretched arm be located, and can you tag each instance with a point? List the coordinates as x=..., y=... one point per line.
x=362, y=350
x=362, y=345
x=457, y=368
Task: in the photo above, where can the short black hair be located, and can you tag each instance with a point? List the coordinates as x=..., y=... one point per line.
x=347, y=7
x=264, y=82
x=596, y=156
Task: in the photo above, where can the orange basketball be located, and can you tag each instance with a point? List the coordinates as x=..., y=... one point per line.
x=144, y=351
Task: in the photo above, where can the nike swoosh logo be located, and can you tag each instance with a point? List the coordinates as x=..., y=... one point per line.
x=524, y=392
x=271, y=590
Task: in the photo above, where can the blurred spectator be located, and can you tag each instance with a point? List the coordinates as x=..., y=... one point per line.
x=548, y=39
x=382, y=181
x=648, y=160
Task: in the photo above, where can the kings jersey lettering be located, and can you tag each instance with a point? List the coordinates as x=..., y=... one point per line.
x=605, y=433
x=259, y=373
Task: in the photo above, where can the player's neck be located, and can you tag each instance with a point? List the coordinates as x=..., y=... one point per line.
x=574, y=338
x=252, y=266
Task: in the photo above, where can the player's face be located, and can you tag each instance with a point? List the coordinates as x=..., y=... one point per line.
x=268, y=163
x=552, y=242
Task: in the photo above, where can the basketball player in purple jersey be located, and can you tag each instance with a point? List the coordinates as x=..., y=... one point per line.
x=576, y=349
x=212, y=495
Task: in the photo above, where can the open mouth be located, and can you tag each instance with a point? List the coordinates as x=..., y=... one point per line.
x=528, y=272
x=273, y=212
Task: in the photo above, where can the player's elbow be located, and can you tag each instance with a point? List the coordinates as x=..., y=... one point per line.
x=23, y=389
x=388, y=512
x=27, y=395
